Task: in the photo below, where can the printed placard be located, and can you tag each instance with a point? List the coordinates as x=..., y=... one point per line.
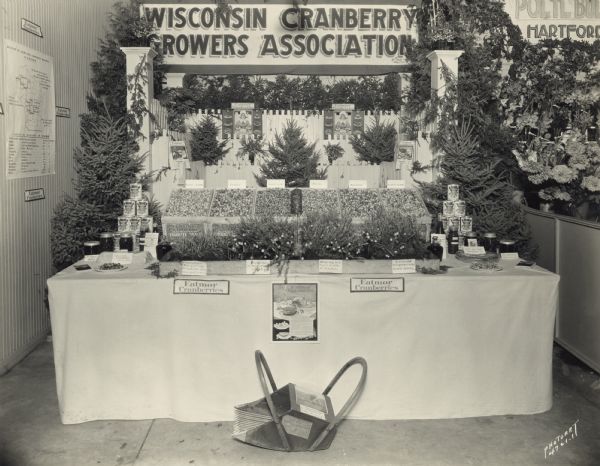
x=242, y=105
x=63, y=112
x=510, y=256
x=318, y=184
x=34, y=194
x=150, y=243
x=31, y=27
x=294, y=313
x=91, y=258
x=275, y=184
x=198, y=286
x=258, y=267
x=194, y=268
x=396, y=184
x=330, y=266
x=377, y=285
x=404, y=266
x=194, y=184
x=122, y=258
x=357, y=184
x=236, y=184
x=474, y=250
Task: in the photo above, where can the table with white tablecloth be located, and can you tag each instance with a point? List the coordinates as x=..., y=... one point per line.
x=460, y=344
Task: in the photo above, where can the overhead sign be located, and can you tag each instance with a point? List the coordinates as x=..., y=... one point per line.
x=284, y=37
x=556, y=19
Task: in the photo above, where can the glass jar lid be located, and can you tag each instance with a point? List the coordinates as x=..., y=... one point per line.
x=489, y=235
x=507, y=242
x=107, y=234
x=91, y=243
x=126, y=235
x=471, y=234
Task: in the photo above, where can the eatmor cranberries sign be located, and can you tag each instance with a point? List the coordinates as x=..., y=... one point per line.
x=284, y=36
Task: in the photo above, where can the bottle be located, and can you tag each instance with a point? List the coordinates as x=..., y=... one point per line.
x=436, y=249
x=453, y=241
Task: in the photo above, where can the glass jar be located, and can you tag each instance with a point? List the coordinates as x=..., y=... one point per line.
x=460, y=208
x=453, y=241
x=466, y=225
x=453, y=192
x=436, y=249
x=126, y=242
x=107, y=242
x=91, y=248
x=508, y=245
x=448, y=208
x=471, y=239
x=129, y=208
x=490, y=243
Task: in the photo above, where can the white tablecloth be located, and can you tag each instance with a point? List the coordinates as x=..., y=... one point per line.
x=457, y=345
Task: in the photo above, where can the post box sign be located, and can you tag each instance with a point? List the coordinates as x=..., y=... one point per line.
x=259, y=34
x=556, y=19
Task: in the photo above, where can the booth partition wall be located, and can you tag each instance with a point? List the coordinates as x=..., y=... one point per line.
x=68, y=32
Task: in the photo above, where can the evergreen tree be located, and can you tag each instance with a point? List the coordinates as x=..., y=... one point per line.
x=377, y=143
x=205, y=144
x=291, y=158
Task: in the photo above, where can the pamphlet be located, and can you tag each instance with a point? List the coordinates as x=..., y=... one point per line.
x=330, y=266
x=404, y=266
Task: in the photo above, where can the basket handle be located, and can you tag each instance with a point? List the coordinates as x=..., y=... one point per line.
x=262, y=367
x=357, y=391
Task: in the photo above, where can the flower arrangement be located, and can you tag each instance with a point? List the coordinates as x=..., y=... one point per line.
x=567, y=170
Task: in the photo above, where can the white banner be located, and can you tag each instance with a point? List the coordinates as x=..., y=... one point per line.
x=30, y=112
x=283, y=35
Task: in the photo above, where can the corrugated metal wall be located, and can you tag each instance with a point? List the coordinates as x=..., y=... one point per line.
x=71, y=29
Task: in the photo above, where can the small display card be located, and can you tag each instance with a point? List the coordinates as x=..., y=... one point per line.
x=91, y=258
x=510, y=256
x=258, y=267
x=187, y=286
x=194, y=268
x=396, y=184
x=236, y=184
x=275, y=184
x=330, y=266
x=474, y=250
x=150, y=243
x=123, y=258
x=194, y=184
x=357, y=184
x=318, y=184
x=404, y=266
x=302, y=327
x=377, y=285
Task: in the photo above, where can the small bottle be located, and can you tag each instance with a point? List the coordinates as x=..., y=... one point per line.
x=436, y=249
x=453, y=241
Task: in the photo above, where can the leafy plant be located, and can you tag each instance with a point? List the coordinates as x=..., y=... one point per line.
x=291, y=158
x=377, y=143
x=207, y=247
x=251, y=147
x=264, y=238
x=327, y=235
x=334, y=152
x=204, y=143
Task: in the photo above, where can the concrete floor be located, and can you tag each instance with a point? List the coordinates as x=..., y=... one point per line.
x=31, y=433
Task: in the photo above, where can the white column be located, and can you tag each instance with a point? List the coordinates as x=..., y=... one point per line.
x=140, y=67
x=438, y=59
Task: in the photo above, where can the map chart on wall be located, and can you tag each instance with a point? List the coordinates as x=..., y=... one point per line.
x=30, y=110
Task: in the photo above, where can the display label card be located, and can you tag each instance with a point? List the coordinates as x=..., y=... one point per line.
x=258, y=267
x=122, y=258
x=63, y=112
x=404, y=266
x=474, y=250
x=31, y=27
x=396, y=184
x=187, y=286
x=330, y=266
x=236, y=184
x=194, y=184
x=510, y=256
x=357, y=184
x=150, y=243
x=276, y=184
x=377, y=285
x=318, y=184
x=471, y=242
x=242, y=105
x=34, y=194
x=91, y=258
x=194, y=268
x=342, y=107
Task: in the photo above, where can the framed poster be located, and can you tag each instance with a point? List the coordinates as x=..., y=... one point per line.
x=406, y=152
x=294, y=312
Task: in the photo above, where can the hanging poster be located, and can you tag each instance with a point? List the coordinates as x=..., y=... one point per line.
x=295, y=316
x=30, y=110
x=242, y=123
